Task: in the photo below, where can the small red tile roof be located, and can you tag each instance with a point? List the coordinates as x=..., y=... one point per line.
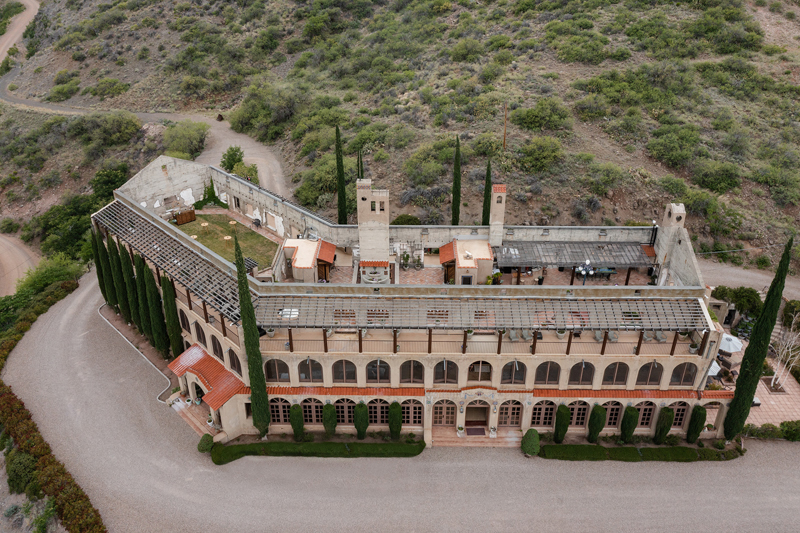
x=348, y=391
x=326, y=251
x=499, y=187
x=447, y=252
x=222, y=384
x=374, y=263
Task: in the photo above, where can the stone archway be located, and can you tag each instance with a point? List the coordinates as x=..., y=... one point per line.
x=477, y=414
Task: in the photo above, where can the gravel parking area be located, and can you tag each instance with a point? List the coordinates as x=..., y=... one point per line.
x=93, y=397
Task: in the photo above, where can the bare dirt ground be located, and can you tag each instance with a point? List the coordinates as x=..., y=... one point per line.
x=15, y=259
x=17, y=26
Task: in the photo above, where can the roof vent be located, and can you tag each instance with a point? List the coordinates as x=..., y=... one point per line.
x=467, y=255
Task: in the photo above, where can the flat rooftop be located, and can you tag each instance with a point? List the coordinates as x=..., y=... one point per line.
x=477, y=249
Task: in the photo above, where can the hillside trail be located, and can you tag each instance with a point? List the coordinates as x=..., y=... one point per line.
x=15, y=259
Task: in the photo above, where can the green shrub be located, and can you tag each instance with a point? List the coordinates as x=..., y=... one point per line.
x=630, y=419
x=491, y=72
x=719, y=444
x=9, y=225
x=673, y=144
x=530, y=443
x=747, y=300
x=574, y=452
x=186, y=136
x=57, y=267
x=716, y=176
x=487, y=145
x=329, y=419
x=205, y=444
x=591, y=107
x=563, y=417
x=20, y=470
x=468, y=50
x=791, y=308
x=548, y=113
x=296, y=420
x=405, y=220
x=107, y=88
x=232, y=155
x=627, y=454
x=249, y=172
x=675, y=186
x=678, y=454
x=361, y=420
x=225, y=454
x=664, y=423
x=597, y=421
x=540, y=154
x=791, y=430
x=763, y=262
x=604, y=177
x=395, y=420
x=696, y=424
x=59, y=93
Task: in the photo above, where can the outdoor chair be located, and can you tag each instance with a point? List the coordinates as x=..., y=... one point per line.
x=612, y=337
x=526, y=334
x=598, y=336
x=512, y=334
x=660, y=337
x=648, y=336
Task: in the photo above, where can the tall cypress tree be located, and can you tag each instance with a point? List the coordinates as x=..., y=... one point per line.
x=457, y=184
x=341, y=202
x=98, y=266
x=756, y=352
x=157, y=324
x=255, y=369
x=108, y=275
x=130, y=286
x=487, y=194
x=119, y=281
x=171, y=317
x=141, y=294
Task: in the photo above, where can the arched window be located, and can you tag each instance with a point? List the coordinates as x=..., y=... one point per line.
x=578, y=410
x=510, y=414
x=344, y=372
x=378, y=371
x=200, y=334
x=683, y=375
x=581, y=374
x=616, y=374
x=444, y=413
x=479, y=371
x=445, y=372
x=378, y=412
x=613, y=412
x=236, y=365
x=344, y=411
x=412, y=413
x=650, y=374
x=184, y=321
x=543, y=414
x=276, y=370
x=681, y=414
x=279, y=410
x=513, y=373
x=646, y=410
x=312, y=411
x=310, y=371
x=216, y=347
x=499, y=199
x=548, y=373
x=412, y=372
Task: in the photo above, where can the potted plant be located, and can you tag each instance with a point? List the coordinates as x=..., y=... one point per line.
x=693, y=347
x=418, y=263
x=540, y=279
x=404, y=262
x=560, y=333
x=683, y=334
x=492, y=432
x=470, y=333
x=271, y=332
x=198, y=401
x=210, y=420
x=460, y=431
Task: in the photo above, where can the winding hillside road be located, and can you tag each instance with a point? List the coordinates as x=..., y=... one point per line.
x=15, y=259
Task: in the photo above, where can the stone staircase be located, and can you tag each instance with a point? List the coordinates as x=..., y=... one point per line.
x=506, y=438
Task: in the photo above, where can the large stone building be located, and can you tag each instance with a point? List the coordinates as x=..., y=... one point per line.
x=489, y=328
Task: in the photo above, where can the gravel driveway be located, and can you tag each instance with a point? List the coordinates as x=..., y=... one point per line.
x=93, y=397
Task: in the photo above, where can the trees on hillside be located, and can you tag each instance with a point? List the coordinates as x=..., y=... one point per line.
x=232, y=155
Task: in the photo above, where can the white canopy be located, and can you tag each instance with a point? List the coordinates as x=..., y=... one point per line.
x=730, y=344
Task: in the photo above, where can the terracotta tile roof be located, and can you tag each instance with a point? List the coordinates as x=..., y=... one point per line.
x=498, y=187
x=222, y=384
x=374, y=263
x=718, y=394
x=649, y=251
x=348, y=391
x=447, y=252
x=326, y=251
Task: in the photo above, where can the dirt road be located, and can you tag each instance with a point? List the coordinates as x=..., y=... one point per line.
x=15, y=260
x=17, y=26
x=723, y=274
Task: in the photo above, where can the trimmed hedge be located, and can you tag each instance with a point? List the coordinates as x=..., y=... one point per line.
x=530, y=442
x=597, y=421
x=630, y=418
x=563, y=416
x=223, y=454
x=627, y=454
x=361, y=420
x=679, y=454
x=74, y=508
x=296, y=419
x=696, y=424
x=395, y=420
x=329, y=419
x=663, y=424
x=574, y=452
x=206, y=444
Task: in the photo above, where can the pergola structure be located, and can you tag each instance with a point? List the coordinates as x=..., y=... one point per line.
x=182, y=264
x=536, y=255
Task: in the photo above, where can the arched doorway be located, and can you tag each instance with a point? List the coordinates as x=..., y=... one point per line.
x=198, y=392
x=477, y=414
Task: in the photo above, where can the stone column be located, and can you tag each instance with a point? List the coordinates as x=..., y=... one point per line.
x=527, y=413
x=427, y=424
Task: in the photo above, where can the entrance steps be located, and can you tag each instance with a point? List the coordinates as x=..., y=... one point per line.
x=506, y=438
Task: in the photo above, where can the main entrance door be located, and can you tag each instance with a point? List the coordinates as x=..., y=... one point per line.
x=477, y=414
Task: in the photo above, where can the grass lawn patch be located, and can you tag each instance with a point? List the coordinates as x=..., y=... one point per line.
x=574, y=452
x=222, y=454
x=627, y=454
x=254, y=245
x=680, y=454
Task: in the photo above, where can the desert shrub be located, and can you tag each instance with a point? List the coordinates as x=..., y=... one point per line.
x=674, y=186
x=186, y=136
x=205, y=444
x=468, y=50
x=716, y=176
x=105, y=129
x=372, y=134
x=530, y=443
x=575, y=41
x=674, y=144
x=296, y=420
x=20, y=469
x=399, y=136
x=540, y=154
x=737, y=141
x=504, y=57
x=266, y=109
x=604, y=177
x=361, y=420
x=107, y=88
x=59, y=93
x=487, y=145
x=664, y=423
x=401, y=220
x=322, y=179
x=763, y=262
x=329, y=419
x=563, y=417
x=696, y=424
x=497, y=42
x=58, y=267
x=491, y=72
x=9, y=225
x=395, y=420
x=232, y=155
x=597, y=421
x=593, y=106
x=630, y=419
x=548, y=113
